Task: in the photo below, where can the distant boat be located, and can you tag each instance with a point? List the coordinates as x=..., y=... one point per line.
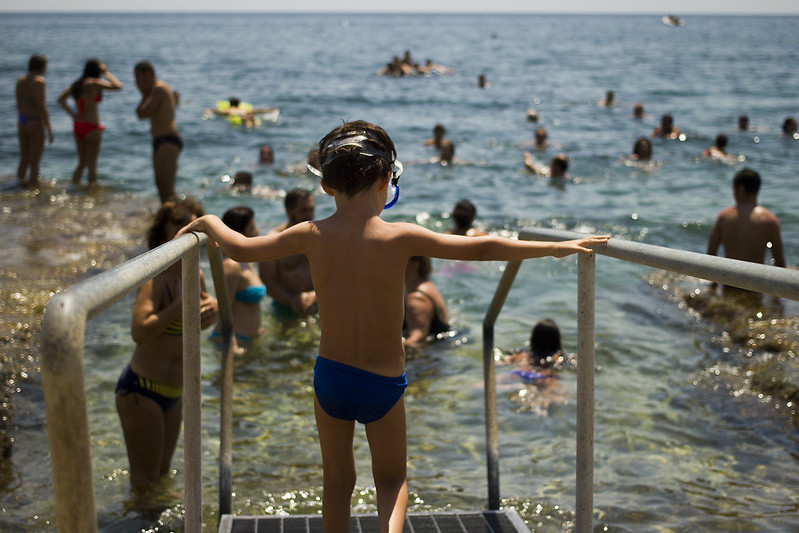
x=672, y=20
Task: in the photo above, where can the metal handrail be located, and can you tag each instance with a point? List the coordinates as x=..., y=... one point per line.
x=63, y=337
x=755, y=277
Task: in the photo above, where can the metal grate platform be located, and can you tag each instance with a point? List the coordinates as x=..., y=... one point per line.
x=505, y=521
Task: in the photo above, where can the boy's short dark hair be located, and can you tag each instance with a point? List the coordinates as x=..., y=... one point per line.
x=748, y=179
x=37, y=63
x=354, y=156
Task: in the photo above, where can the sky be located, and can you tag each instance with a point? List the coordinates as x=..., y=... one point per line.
x=679, y=7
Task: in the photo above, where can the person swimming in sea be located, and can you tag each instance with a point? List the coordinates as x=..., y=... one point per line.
x=243, y=283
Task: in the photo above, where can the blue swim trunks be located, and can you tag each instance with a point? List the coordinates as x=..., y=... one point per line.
x=350, y=393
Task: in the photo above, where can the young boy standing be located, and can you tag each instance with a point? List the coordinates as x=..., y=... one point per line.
x=358, y=268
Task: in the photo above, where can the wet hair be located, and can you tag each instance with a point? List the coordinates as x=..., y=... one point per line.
x=439, y=130
x=37, y=63
x=560, y=161
x=643, y=148
x=721, y=141
x=90, y=70
x=144, y=67
x=748, y=179
x=172, y=212
x=743, y=122
x=425, y=265
x=238, y=218
x=294, y=196
x=544, y=342
x=234, y=102
x=354, y=156
x=789, y=126
x=466, y=207
x=447, y=151
x=242, y=180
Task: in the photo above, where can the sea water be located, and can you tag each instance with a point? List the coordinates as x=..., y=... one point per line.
x=683, y=441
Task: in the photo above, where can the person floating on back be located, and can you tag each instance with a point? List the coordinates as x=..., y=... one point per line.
x=358, y=264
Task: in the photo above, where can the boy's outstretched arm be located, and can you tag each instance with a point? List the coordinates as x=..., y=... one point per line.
x=246, y=249
x=494, y=248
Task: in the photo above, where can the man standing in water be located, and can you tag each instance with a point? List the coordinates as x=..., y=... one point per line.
x=32, y=118
x=747, y=229
x=288, y=280
x=158, y=104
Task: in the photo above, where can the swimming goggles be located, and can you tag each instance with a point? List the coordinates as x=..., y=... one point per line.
x=367, y=149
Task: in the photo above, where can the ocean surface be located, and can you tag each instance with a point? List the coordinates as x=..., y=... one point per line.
x=686, y=438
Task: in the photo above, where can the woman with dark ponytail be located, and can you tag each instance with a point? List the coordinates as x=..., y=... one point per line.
x=87, y=91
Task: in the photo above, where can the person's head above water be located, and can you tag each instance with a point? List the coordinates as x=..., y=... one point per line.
x=354, y=156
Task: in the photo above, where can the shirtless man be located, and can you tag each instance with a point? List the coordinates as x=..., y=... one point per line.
x=158, y=104
x=32, y=118
x=288, y=280
x=746, y=229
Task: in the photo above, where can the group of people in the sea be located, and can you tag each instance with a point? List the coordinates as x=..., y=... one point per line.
x=157, y=105
x=407, y=66
x=350, y=268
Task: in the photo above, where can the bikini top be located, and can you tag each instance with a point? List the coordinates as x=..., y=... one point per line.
x=251, y=295
x=436, y=324
x=175, y=327
x=80, y=101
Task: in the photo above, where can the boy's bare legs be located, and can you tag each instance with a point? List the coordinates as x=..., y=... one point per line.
x=165, y=166
x=387, y=442
x=338, y=465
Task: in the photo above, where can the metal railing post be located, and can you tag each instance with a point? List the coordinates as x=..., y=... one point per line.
x=192, y=393
x=226, y=385
x=490, y=381
x=586, y=277
x=64, y=329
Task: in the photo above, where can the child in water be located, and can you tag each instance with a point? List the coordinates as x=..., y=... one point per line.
x=358, y=263
x=539, y=369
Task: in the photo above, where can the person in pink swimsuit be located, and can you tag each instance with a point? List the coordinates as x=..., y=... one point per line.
x=87, y=91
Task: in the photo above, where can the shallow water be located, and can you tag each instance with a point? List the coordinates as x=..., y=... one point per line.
x=683, y=440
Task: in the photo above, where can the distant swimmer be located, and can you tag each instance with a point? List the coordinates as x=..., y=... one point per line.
x=789, y=127
x=439, y=131
x=747, y=230
x=743, y=124
x=463, y=216
x=666, y=129
x=719, y=150
x=608, y=101
x=532, y=115
x=87, y=91
x=32, y=118
x=239, y=112
x=642, y=149
x=638, y=111
x=446, y=154
x=158, y=104
x=482, y=82
x=541, y=142
x=266, y=156
x=557, y=168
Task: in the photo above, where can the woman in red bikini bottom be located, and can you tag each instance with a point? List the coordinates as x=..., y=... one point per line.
x=87, y=91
